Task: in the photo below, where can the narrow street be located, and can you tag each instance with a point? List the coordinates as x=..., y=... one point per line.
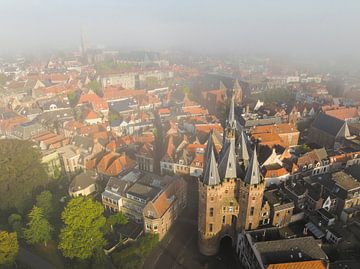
x=34, y=261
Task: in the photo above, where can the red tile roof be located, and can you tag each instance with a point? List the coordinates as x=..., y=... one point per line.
x=299, y=265
x=343, y=113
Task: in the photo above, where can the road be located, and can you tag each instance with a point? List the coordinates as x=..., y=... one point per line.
x=33, y=260
x=179, y=247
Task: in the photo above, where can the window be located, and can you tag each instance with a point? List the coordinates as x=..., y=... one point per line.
x=223, y=219
x=249, y=227
x=150, y=214
x=211, y=212
x=252, y=211
x=210, y=227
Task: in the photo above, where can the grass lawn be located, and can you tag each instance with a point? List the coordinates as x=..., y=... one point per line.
x=51, y=254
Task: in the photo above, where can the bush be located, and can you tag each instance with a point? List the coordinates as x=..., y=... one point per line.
x=134, y=256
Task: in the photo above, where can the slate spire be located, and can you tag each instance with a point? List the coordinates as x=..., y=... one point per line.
x=227, y=165
x=211, y=174
x=253, y=174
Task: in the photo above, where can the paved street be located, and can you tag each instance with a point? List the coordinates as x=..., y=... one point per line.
x=179, y=247
x=33, y=260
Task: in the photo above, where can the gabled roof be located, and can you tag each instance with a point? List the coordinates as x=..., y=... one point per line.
x=328, y=124
x=253, y=175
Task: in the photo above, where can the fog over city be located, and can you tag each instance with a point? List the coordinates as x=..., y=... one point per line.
x=322, y=28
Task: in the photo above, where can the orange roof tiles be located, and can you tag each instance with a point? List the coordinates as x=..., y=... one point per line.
x=343, y=113
x=299, y=265
x=275, y=129
x=115, y=93
x=164, y=110
x=206, y=128
x=73, y=125
x=195, y=110
x=90, y=115
x=91, y=98
x=277, y=172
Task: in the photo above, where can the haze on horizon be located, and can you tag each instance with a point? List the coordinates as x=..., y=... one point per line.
x=325, y=28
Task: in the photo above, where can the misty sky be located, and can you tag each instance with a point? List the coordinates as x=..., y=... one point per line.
x=257, y=26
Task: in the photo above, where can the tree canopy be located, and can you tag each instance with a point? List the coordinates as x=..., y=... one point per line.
x=45, y=201
x=151, y=82
x=115, y=219
x=134, y=256
x=38, y=229
x=275, y=95
x=9, y=247
x=95, y=86
x=21, y=172
x=82, y=234
x=15, y=222
x=112, y=66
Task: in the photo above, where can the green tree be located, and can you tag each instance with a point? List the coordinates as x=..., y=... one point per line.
x=57, y=172
x=21, y=172
x=73, y=98
x=94, y=86
x=82, y=234
x=45, y=201
x=15, y=222
x=151, y=83
x=115, y=219
x=38, y=229
x=282, y=95
x=134, y=256
x=9, y=247
x=113, y=116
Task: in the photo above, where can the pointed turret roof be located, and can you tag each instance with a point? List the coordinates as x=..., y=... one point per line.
x=211, y=174
x=209, y=146
x=231, y=118
x=253, y=175
x=227, y=166
x=243, y=152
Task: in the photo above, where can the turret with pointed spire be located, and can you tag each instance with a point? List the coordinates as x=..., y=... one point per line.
x=211, y=174
x=253, y=174
x=243, y=149
x=227, y=165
